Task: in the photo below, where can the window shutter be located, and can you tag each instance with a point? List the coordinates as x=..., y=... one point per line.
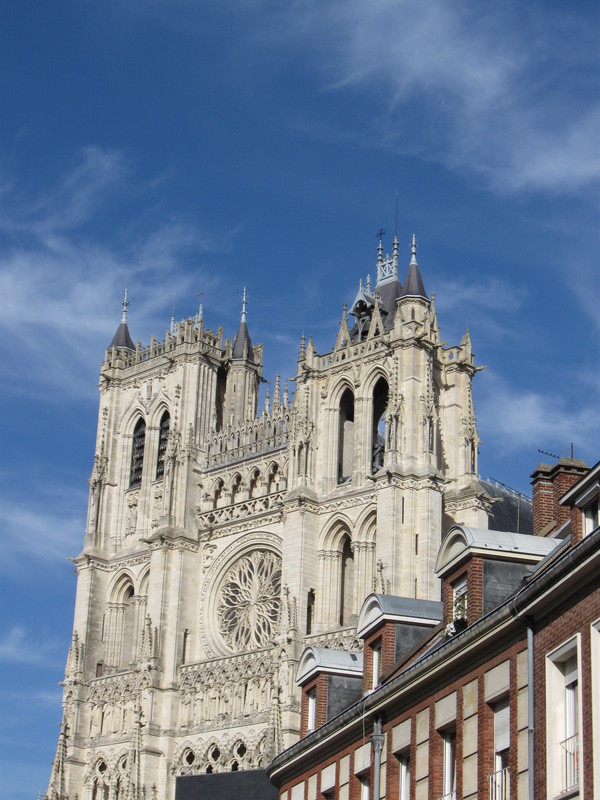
x=501, y=726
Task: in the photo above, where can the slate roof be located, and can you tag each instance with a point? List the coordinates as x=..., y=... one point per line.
x=242, y=338
x=122, y=338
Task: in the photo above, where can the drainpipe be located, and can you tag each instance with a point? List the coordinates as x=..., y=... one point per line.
x=377, y=745
x=530, y=711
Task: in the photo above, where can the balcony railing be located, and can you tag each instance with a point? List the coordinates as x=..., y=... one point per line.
x=570, y=762
x=449, y=796
x=500, y=785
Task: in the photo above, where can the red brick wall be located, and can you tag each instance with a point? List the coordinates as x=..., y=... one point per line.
x=386, y=636
x=485, y=734
x=552, y=631
x=550, y=483
x=319, y=686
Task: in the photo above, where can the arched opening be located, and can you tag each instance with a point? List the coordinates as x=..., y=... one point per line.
x=163, y=438
x=127, y=638
x=220, y=397
x=236, y=488
x=380, y=401
x=346, y=437
x=346, y=583
x=137, y=453
x=253, y=485
x=310, y=610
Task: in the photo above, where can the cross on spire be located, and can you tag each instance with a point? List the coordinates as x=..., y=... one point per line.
x=124, y=303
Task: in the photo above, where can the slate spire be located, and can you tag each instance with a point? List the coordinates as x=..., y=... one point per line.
x=242, y=344
x=413, y=284
x=122, y=337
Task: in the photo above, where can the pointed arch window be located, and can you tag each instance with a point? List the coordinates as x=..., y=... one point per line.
x=346, y=438
x=137, y=453
x=163, y=438
x=347, y=589
x=380, y=401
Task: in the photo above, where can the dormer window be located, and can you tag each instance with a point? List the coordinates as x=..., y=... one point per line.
x=591, y=518
x=459, y=601
x=312, y=710
x=376, y=650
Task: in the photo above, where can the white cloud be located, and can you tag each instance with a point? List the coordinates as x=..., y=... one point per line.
x=504, y=91
x=25, y=647
x=512, y=419
x=60, y=289
x=39, y=535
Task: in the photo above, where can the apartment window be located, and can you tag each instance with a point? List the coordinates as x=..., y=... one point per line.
x=364, y=787
x=590, y=517
x=376, y=650
x=459, y=604
x=312, y=709
x=563, y=714
x=449, y=766
x=499, y=779
x=404, y=776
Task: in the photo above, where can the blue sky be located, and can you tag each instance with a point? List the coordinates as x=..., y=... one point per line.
x=177, y=146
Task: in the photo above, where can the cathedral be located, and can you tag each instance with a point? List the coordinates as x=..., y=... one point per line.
x=222, y=539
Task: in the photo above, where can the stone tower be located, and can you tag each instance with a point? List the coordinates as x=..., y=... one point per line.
x=221, y=540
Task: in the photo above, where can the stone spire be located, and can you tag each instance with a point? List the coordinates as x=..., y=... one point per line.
x=242, y=344
x=413, y=284
x=122, y=337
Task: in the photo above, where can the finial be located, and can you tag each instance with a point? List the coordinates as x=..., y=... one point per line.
x=124, y=303
x=368, y=283
x=244, y=301
x=360, y=284
x=276, y=399
x=285, y=394
x=201, y=308
x=173, y=312
x=267, y=404
x=380, y=235
x=302, y=346
x=413, y=250
x=344, y=310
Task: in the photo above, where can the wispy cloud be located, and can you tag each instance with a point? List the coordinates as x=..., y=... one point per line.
x=512, y=419
x=503, y=91
x=19, y=646
x=40, y=535
x=60, y=286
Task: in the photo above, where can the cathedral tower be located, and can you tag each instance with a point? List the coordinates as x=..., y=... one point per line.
x=221, y=540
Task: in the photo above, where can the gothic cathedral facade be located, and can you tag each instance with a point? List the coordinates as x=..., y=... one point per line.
x=222, y=539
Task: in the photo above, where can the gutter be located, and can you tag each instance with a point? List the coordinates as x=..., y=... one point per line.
x=518, y=607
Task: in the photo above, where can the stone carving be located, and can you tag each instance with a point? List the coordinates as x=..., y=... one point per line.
x=132, y=512
x=250, y=600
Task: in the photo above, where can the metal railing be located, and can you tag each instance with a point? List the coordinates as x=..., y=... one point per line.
x=500, y=785
x=570, y=762
x=449, y=796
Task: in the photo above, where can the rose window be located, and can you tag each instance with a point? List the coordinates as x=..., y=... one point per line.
x=249, y=600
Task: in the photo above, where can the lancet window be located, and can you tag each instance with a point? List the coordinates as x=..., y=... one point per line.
x=346, y=583
x=163, y=438
x=137, y=453
x=346, y=437
x=380, y=401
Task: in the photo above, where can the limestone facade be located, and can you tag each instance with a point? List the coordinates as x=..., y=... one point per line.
x=222, y=539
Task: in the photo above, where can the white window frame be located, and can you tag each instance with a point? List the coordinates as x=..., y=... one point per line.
x=449, y=765
x=376, y=651
x=365, y=788
x=500, y=778
x=403, y=775
x=591, y=517
x=311, y=716
x=460, y=595
x=563, y=719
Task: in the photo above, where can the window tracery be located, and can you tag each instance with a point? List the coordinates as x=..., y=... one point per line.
x=249, y=600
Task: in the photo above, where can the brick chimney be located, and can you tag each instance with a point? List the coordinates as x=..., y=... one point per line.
x=550, y=482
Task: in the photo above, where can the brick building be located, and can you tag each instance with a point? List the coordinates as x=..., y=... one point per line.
x=492, y=693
